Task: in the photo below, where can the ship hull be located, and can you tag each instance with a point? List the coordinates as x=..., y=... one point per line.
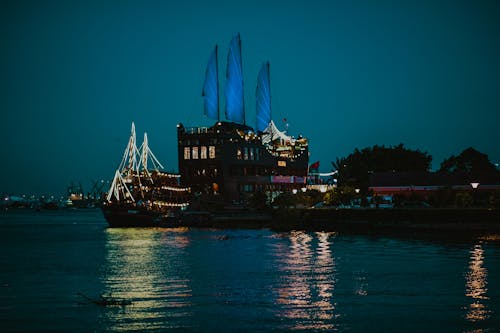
x=123, y=217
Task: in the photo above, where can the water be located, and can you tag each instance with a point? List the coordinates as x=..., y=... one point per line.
x=239, y=280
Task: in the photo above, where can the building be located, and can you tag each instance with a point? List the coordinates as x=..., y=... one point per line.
x=233, y=161
x=426, y=186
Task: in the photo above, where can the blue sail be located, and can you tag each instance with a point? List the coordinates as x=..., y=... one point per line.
x=210, y=91
x=263, y=95
x=235, y=110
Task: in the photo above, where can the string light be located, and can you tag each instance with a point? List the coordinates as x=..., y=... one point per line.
x=177, y=189
x=170, y=204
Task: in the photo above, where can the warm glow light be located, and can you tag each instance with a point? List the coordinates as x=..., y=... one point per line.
x=170, y=204
x=477, y=286
x=305, y=295
x=322, y=189
x=357, y=190
x=133, y=271
x=177, y=189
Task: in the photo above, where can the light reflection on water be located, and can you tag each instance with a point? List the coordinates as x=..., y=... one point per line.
x=219, y=280
x=477, y=286
x=143, y=265
x=308, y=282
x=240, y=280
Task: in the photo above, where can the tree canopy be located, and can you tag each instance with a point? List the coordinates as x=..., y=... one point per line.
x=469, y=161
x=354, y=170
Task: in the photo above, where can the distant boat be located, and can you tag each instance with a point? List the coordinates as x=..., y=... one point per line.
x=76, y=197
x=143, y=197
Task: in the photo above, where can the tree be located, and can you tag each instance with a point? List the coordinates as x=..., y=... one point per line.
x=258, y=200
x=354, y=170
x=470, y=162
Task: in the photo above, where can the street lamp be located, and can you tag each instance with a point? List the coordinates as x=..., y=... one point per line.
x=303, y=189
x=357, y=191
x=294, y=191
x=474, y=187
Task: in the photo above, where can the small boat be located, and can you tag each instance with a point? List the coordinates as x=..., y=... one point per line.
x=143, y=197
x=107, y=300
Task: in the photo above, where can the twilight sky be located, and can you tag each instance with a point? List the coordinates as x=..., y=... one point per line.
x=345, y=74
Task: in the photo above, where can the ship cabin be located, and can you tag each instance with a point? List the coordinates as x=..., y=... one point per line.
x=232, y=161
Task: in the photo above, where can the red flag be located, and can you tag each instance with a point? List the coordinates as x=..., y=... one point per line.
x=315, y=165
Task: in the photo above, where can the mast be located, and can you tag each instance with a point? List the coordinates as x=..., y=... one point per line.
x=129, y=160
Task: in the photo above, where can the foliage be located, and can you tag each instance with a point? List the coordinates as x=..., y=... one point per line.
x=463, y=199
x=470, y=161
x=342, y=195
x=443, y=197
x=354, y=169
x=285, y=200
x=258, y=200
x=306, y=199
x=494, y=200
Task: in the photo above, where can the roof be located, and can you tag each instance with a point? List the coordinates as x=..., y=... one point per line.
x=422, y=178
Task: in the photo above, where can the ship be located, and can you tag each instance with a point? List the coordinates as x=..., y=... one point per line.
x=144, y=196
x=229, y=162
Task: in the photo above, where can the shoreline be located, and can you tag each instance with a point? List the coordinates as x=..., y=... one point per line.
x=442, y=221
x=472, y=220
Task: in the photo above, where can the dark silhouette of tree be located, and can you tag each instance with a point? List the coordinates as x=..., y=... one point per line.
x=470, y=162
x=258, y=200
x=354, y=170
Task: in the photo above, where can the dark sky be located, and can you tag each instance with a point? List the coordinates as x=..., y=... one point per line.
x=345, y=74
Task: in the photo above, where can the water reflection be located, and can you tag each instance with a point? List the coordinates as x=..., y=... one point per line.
x=476, y=286
x=143, y=265
x=305, y=294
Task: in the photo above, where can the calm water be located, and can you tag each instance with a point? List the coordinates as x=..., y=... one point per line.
x=239, y=280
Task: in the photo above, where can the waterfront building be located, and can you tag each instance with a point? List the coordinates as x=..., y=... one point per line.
x=423, y=185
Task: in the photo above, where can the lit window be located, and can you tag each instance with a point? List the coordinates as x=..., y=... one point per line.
x=195, y=153
x=238, y=153
x=251, y=153
x=187, y=153
x=280, y=163
x=211, y=152
x=203, y=152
